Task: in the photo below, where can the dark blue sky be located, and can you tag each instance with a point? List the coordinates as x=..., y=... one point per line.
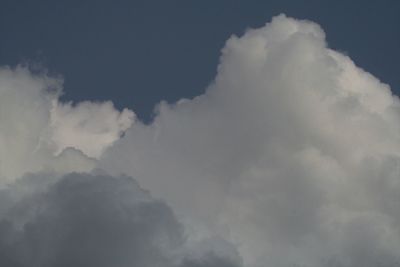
x=137, y=53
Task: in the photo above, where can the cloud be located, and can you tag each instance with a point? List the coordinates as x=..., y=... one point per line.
x=292, y=153
x=290, y=158
x=54, y=213
x=88, y=126
x=90, y=220
x=35, y=128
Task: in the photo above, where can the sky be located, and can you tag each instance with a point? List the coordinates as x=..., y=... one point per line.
x=199, y=134
x=138, y=53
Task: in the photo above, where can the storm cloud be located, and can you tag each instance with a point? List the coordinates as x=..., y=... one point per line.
x=290, y=158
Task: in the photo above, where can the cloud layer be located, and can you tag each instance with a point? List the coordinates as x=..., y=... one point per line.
x=290, y=158
x=292, y=153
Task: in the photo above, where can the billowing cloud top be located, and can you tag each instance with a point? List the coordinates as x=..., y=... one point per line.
x=290, y=158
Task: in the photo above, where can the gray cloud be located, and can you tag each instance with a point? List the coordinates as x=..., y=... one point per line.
x=209, y=260
x=90, y=220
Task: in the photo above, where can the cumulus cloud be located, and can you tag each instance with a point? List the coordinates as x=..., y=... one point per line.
x=88, y=126
x=37, y=132
x=290, y=158
x=292, y=153
x=90, y=220
x=54, y=213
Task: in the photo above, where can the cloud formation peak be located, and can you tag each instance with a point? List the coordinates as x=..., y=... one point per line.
x=292, y=153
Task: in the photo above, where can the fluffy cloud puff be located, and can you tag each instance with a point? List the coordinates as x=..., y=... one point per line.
x=92, y=220
x=37, y=132
x=292, y=153
x=88, y=126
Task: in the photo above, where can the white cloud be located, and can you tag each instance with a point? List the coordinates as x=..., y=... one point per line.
x=35, y=128
x=88, y=126
x=292, y=153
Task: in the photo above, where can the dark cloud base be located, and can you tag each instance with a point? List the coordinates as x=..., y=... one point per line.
x=90, y=220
